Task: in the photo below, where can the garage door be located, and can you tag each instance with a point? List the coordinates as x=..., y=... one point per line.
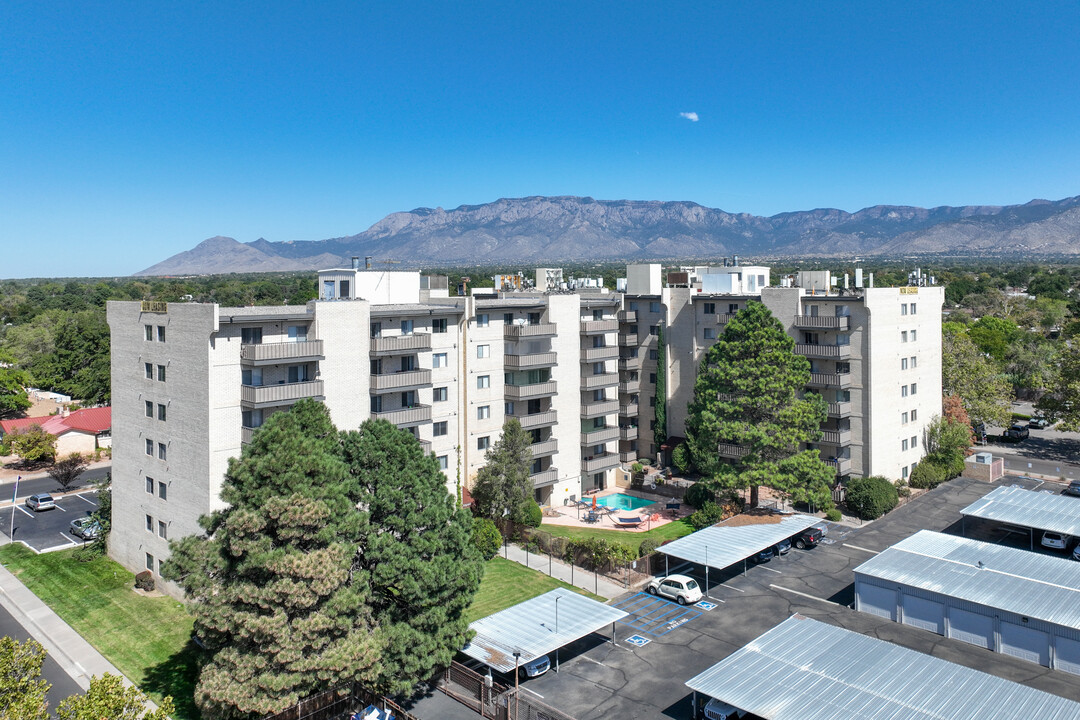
x=1025, y=643
x=1067, y=655
x=876, y=600
x=971, y=628
x=922, y=613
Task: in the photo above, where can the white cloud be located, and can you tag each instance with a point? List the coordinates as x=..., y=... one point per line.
x=691, y=116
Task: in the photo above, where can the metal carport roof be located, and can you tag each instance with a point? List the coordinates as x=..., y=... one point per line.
x=721, y=546
x=803, y=669
x=533, y=627
x=1030, y=509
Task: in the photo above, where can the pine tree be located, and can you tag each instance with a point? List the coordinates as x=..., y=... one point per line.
x=748, y=393
x=416, y=552
x=503, y=486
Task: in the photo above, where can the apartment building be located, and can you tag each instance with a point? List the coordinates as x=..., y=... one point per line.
x=192, y=382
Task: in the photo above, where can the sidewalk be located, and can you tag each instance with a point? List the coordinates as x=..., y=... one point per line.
x=593, y=582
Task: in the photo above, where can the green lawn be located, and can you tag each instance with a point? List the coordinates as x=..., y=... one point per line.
x=147, y=639
x=507, y=583
x=670, y=531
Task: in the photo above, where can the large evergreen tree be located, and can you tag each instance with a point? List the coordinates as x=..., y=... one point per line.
x=503, y=486
x=280, y=598
x=748, y=393
x=415, y=550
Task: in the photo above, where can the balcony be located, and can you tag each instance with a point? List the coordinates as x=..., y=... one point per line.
x=603, y=380
x=600, y=435
x=399, y=344
x=727, y=450
x=536, y=420
x=528, y=362
x=628, y=409
x=841, y=465
x=280, y=394
x=544, y=448
x=599, y=353
x=513, y=332
x=724, y=318
x=246, y=434
x=630, y=387
x=628, y=433
x=630, y=363
x=823, y=351
x=599, y=408
x=599, y=327
x=830, y=380
x=836, y=437
x=629, y=456
x=627, y=316
x=405, y=416
x=839, y=409
x=544, y=477
x=273, y=353
x=598, y=463
x=409, y=379
x=825, y=322
x=629, y=340
x=425, y=446
x=528, y=392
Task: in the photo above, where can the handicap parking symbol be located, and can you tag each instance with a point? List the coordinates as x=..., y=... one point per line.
x=638, y=640
x=705, y=605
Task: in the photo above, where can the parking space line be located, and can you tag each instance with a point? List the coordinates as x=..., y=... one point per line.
x=802, y=594
x=25, y=512
x=85, y=500
x=57, y=506
x=68, y=539
x=729, y=587
x=533, y=692
x=771, y=570
x=865, y=550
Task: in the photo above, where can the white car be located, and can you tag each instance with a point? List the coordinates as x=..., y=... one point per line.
x=680, y=588
x=1053, y=540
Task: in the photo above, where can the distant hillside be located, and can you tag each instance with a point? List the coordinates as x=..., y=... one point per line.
x=552, y=229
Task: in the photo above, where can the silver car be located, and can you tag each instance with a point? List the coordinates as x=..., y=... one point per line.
x=41, y=501
x=86, y=528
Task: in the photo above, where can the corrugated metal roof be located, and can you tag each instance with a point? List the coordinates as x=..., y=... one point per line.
x=530, y=627
x=1027, y=508
x=803, y=669
x=1018, y=581
x=721, y=547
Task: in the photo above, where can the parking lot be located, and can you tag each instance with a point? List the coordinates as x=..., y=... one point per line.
x=47, y=530
x=662, y=644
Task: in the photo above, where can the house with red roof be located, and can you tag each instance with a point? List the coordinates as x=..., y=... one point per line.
x=82, y=431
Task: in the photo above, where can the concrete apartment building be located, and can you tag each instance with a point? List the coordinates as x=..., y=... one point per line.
x=192, y=382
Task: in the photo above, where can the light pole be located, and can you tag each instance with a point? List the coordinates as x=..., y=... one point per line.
x=517, y=677
x=557, y=632
x=11, y=534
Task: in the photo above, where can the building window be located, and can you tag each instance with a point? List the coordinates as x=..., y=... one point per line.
x=438, y=429
x=149, y=408
x=914, y=441
x=161, y=412
x=438, y=325
x=903, y=308
x=298, y=333
x=483, y=412
x=483, y=351
x=903, y=390
x=376, y=403
x=162, y=491
x=482, y=320
x=914, y=362
x=161, y=373
x=912, y=308
x=914, y=388
x=161, y=453
x=710, y=308
x=903, y=336
x=376, y=329
x=652, y=401
x=654, y=307
x=439, y=394
x=903, y=445
x=710, y=333
x=251, y=376
x=406, y=327
x=652, y=378
x=913, y=335
x=654, y=330
x=438, y=360
x=903, y=363
x=300, y=373
x=633, y=306
x=161, y=333
x=653, y=355
x=251, y=336
x=149, y=371
x=904, y=472
x=149, y=562
x=150, y=485
x=162, y=530
x=150, y=447
x=903, y=418
x=483, y=443
x=443, y=461
x=483, y=382
x=149, y=524
x=914, y=415
x=149, y=332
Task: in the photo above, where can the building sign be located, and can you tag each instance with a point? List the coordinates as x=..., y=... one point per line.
x=155, y=306
x=909, y=291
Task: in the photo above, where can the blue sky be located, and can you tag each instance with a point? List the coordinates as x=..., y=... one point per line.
x=130, y=131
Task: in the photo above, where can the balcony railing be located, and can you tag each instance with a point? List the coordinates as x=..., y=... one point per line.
x=827, y=322
x=599, y=353
x=628, y=340
x=630, y=363
x=724, y=318
x=281, y=394
x=630, y=387
x=527, y=392
x=628, y=316
x=839, y=409
x=628, y=409
x=524, y=362
x=628, y=433
x=836, y=437
x=399, y=380
x=405, y=416
x=513, y=332
x=603, y=380
x=599, y=408
x=832, y=380
x=728, y=450
x=823, y=351
x=842, y=465
x=596, y=463
x=271, y=353
x=425, y=446
x=629, y=456
x=545, y=448
x=598, y=327
x=544, y=477
x=541, y=419
x=600, y=435
x=246, y=434
x=396, y=344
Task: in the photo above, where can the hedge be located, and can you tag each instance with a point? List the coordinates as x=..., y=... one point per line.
x=871, y=497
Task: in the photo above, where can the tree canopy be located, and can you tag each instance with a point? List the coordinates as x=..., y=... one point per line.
x=748, y=393
x=503, y=487
x=109, y=698
x=1062, y=405
x=22, y=690
x=13, y=382
x=32, y=444
x=970, y=375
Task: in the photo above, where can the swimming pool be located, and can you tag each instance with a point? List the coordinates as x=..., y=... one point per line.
x=622, y=501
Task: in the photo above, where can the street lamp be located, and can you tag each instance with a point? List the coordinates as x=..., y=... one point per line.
x=14, y=495
x=517, y=677
x=557, y=598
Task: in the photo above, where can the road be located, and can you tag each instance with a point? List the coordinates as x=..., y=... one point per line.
x=41, y=482
x=62, y=684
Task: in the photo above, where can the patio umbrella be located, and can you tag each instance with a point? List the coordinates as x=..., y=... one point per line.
x=593, y=502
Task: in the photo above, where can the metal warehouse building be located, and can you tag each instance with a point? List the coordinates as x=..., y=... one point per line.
x=1006, y=600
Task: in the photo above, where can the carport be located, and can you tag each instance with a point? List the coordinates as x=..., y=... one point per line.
x=536, y=627
x=996, y=597
x=803, y=669
x=721, y=546
x=1028, y=509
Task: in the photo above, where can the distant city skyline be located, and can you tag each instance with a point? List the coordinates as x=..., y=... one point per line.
x=130, y=132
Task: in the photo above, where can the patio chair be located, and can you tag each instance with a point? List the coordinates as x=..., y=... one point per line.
x=629, y=522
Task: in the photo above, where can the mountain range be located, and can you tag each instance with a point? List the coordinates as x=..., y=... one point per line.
x=564, y=228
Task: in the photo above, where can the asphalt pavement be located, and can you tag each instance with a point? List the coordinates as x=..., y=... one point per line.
x=62, y=684
x=49, y=529
x=41, y=482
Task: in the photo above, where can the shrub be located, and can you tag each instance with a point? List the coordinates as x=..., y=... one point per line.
x=637, y=468
x=928, y=474
x=709, y=514
x=486, y=537
x=871, y=497
x=598, y=553
x=681, y=457
x=648, y=546
x=533, y=515
x=833, y=515
x=145, y=581
x=698, y=494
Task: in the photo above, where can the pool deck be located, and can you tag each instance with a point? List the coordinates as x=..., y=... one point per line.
x=573, y=515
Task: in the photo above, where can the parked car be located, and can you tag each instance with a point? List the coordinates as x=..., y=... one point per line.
x=680, y=588
x=762, y=556
x=1073, y=489
x=717, y=710
x=41, y=501
x=1076, y=551
x=979, y=430
x=535, y=667
x=782, y=548
x=1038, y=422
x=86, y=528
x=808, y=538
x=1016, y=432
x=1054, y=541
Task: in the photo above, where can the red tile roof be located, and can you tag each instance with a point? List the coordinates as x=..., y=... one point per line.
x=88, y=420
